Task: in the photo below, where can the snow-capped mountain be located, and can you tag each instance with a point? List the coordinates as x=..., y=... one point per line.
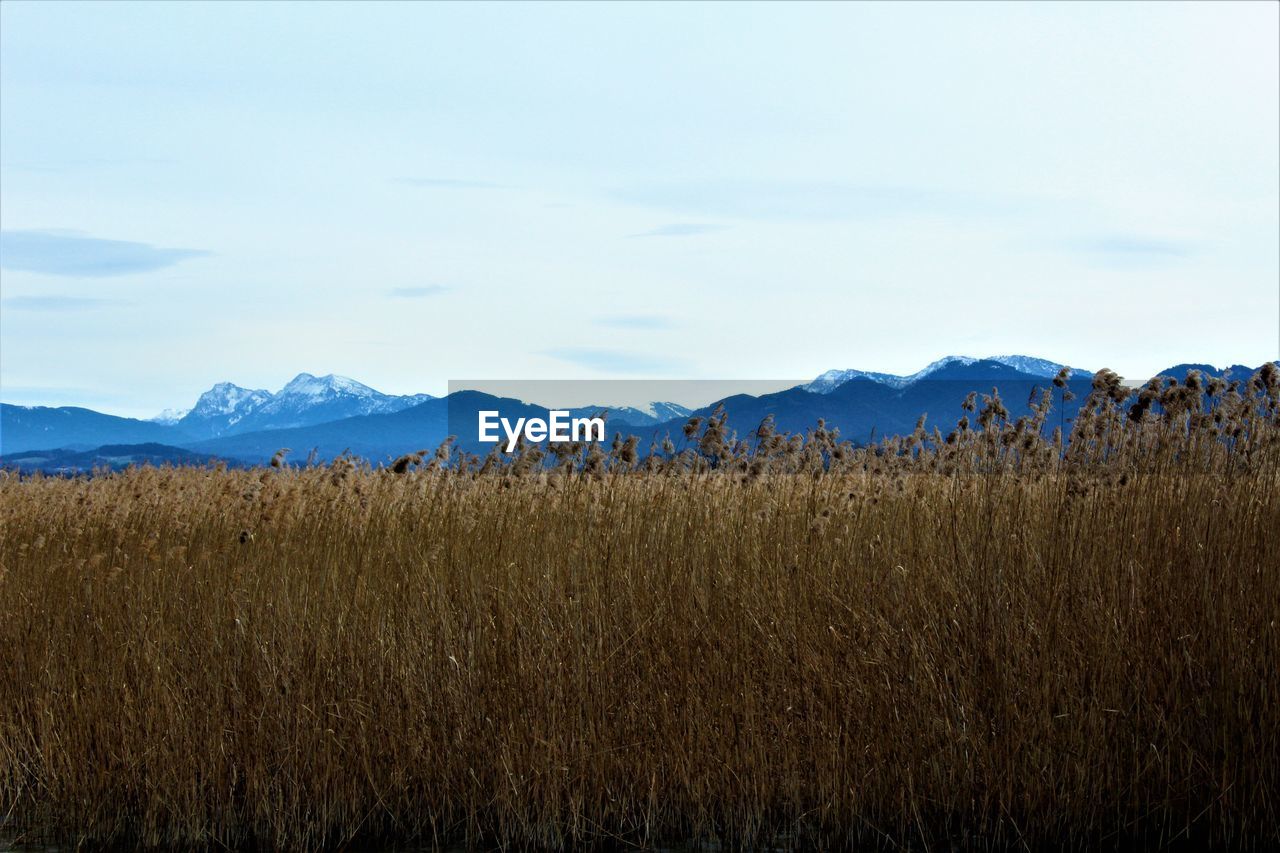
x=226, y=398
x=661, y=412
x=636, y=416
x=219, y=409
x=305, y=387
x=1030, y=365
x=169, y=417
x=228, y=409
x=832, y=379
x=311, y=399
x=653, y=413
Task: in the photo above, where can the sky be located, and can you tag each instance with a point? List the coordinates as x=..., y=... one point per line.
x=412, y=193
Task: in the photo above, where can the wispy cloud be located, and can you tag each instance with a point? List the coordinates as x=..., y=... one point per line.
x=75, y=254
x=448, y=184
x=1123, y=244
x=616, y=361
x=418, y=292
x=680, y=229
x=807, y=200
x=59, y=303
x=1130, y=251
x=87, y=164
x=637, y=321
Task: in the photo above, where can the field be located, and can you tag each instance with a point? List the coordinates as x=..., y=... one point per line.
x=985, y=640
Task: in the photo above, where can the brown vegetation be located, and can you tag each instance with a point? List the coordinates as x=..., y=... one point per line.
x=984, y=640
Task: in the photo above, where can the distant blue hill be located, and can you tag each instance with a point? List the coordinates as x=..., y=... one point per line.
x=862, y=409
x=1235, y=371
x=112, y=456
x=865, y=410
x=25, y=428
x=381, y=437
x=375, y=437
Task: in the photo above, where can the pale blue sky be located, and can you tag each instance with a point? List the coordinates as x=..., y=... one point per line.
x=408, y=193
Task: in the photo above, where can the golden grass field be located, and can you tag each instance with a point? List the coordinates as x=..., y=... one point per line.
x=991, y=642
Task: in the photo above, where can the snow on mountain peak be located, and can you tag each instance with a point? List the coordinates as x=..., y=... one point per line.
x=945, y=361
x=1031, y=365
x=305, y=399
x=664, y=411
x=169, y=417
x=834, y=378
x=329, y=385
x=225, y=398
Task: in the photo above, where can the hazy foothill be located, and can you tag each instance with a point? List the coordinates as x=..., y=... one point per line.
x=332, y=415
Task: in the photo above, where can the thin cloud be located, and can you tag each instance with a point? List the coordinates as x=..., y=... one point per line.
x=448, y=184
x=616, y=361
x=1123, y=251
x=1121, y=244
x=59, y=303
x=87, y=164
x=418, y=292
x=809, y=200
x=680, y=229
x=651, y=322
x=74, y=254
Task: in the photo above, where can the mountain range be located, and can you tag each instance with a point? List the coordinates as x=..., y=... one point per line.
x=1029, y=365
x=332, y=414
x=228, y=409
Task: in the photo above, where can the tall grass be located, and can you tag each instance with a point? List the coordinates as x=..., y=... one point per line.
x=984, y=642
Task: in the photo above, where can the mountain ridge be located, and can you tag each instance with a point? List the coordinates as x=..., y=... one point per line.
x=227, y=408
x=336, y=413
x=1030, y=365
